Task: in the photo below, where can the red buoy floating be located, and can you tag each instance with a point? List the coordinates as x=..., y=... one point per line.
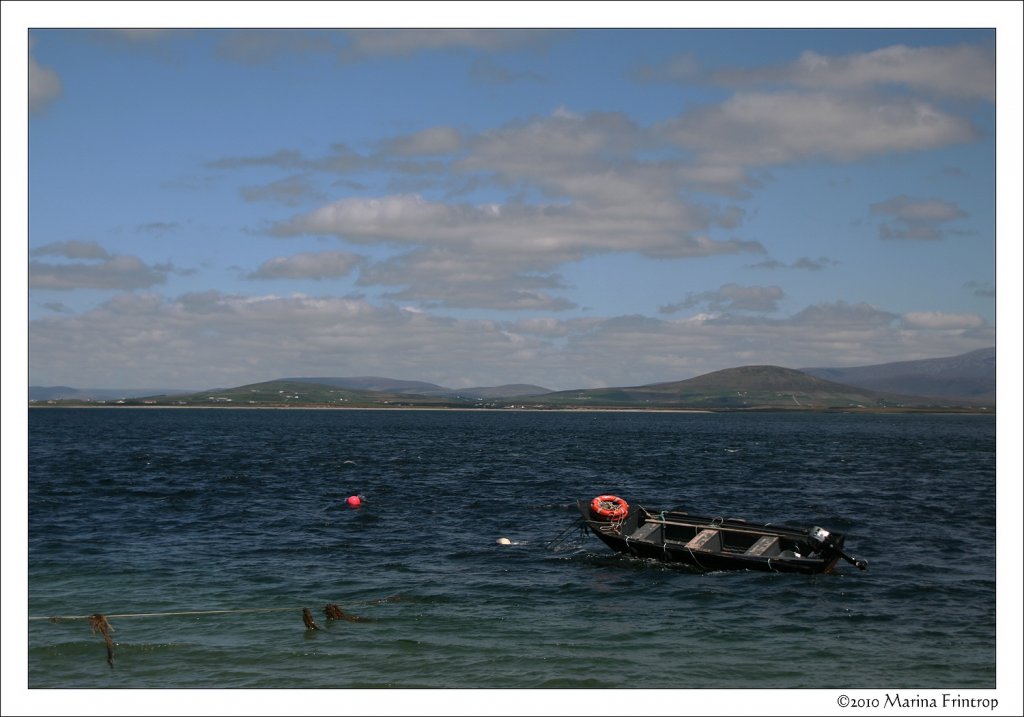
x=354, y=501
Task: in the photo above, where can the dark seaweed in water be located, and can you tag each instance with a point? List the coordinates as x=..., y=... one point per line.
x=140, y=511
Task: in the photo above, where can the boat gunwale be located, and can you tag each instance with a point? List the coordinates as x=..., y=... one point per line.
x=676, y=551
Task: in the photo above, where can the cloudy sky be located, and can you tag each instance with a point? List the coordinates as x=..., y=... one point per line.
x=563, y=207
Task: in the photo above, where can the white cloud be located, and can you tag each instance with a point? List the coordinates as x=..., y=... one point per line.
x=804, y=262
x=554, y=146
x=916, y=218
x=588, y=195
x=962, y=71
x=598, y=197
x=550, y=233
x=918, y=210
x=319, y=265
x=397, y=42
x=981, y=288
x=432, y=141
x=540, y=326
x=400, y=218
x=91, y=267
x=143, y=35
x=213, y=339
x=44, y=86
x=342, y=159
x=762, y=128
x=289, y=191
x=832, y=108
x=255, y=46
x=680, y=68
x=845, y=315
x=492, y=253
x=458, y=279
x=941, y=321
x=114, y=272
x=484, y=71
x=581, y=184
x=731, y=297
x=73, y=249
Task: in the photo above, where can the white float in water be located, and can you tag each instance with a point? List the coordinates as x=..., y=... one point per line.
x=504, y=541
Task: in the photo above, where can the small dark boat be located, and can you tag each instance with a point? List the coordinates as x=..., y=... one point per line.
x=712, y=543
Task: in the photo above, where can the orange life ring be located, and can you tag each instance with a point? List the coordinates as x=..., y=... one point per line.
x=611, y=507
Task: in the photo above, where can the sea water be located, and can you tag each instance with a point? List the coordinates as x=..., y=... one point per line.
x=203, y=533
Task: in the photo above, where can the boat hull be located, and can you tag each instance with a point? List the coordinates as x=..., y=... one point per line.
x=705, y=543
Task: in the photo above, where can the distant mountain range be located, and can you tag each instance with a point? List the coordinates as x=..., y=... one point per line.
x=967, y=377
x=67, y=393
x=421, y=388
x=967, y=380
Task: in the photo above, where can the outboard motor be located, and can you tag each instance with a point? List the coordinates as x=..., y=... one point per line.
x=821, y=539
x=824, y=542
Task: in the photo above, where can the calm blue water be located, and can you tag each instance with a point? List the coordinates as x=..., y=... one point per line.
x=158, y=511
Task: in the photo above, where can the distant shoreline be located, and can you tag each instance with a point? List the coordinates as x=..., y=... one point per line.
x=568, y=409
x=312, y=407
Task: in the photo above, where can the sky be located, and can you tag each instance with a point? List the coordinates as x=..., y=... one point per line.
x=571, y=208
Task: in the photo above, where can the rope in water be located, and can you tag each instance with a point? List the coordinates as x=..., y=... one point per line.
x=57, y=618
x=100, y=623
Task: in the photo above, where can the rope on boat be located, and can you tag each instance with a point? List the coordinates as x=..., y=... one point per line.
x=562, y=537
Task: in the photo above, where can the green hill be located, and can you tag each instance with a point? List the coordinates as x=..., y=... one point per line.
x=747, y=387
x=292, y=392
